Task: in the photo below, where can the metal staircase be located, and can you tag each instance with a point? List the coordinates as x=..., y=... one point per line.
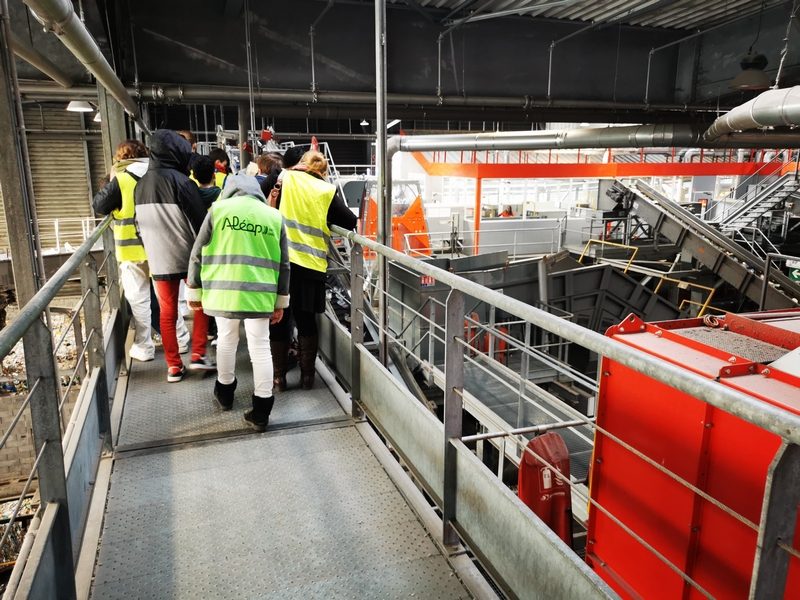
x=711, y=248
x=747, y=212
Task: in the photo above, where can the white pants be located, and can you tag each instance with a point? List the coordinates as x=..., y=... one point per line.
x=257, y=331
x=135, y=280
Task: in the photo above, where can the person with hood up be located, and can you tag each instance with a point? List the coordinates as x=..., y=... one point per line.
x=239, y=270
x=169, y=213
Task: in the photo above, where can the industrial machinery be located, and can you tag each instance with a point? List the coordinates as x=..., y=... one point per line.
x=677, y=485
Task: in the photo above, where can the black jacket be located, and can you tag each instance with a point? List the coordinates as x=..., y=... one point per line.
x=169, y=211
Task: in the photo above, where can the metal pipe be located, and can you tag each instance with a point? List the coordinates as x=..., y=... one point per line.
x=522, y=430
x=383, y=169
x=773, y=108
x=768, y=417
x=200, y=94
x=39, y=60
x=37, y=305
x=59, y=16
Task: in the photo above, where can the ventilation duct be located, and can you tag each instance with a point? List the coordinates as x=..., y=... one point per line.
x=773, y=108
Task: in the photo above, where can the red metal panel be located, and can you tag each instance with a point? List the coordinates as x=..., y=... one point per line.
x=714, y=451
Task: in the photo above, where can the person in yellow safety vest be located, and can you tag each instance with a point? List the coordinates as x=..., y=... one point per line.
x=116, y=198
x=239, y=270
x=308, y=204
x=222, y=166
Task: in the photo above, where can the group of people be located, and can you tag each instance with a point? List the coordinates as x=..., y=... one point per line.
x=249, y=248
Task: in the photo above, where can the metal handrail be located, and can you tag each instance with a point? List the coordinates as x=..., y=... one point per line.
x=768, y=417
x=729, y=196
x=33, y=309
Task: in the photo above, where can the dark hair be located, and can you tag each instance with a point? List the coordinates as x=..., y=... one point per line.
x=292, y=156
x=130, y=149
x=204, y=170
x=218, y=154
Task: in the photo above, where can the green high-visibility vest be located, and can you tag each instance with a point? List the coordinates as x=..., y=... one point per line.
x=127, y=242
x=241, y=262
x=305, y=201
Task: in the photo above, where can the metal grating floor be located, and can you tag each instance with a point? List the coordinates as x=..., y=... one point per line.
x=157, y=412
x=306, y=513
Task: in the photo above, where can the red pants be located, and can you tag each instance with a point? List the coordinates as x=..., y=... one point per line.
x=167, y=293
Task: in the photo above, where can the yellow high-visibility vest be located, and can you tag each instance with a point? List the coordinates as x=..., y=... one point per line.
x=305, y=201
x=127, y=242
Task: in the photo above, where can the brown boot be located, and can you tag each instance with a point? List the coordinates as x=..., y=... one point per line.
x=280, y=353
x=308, y=356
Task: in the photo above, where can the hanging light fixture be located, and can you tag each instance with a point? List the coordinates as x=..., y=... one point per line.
x=97, y=117
x=79, y=106
x=364, y=123
x=752, y=77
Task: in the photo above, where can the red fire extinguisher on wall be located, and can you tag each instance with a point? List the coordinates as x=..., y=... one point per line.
x=542, y=490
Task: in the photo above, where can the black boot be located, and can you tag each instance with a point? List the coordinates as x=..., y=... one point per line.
x=308, y=356
x=258, y=418
x=223, y=392
x=280, y=353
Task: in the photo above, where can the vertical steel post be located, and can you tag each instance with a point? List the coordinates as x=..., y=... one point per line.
x=46, y=425
x=93, y=319
x=15, y=177
x=112, y=271
x=765, y=284
x=453, y=404
x=356, y=326
x=384, y=194
x=478, y=193
x=778, y=523
x=525, y=361
x=112, y=125
x=244, y=156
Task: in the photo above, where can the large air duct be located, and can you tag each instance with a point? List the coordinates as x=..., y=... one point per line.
x=59, y=16
x=36, y=59
x=773, y=108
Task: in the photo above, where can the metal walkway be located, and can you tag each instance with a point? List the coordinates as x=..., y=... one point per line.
x=198, y=507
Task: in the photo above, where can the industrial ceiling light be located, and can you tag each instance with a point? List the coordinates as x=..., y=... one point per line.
x=752, y=76
x=753, y=63
x=97, y=118
x=79, y=106
x=364, y=123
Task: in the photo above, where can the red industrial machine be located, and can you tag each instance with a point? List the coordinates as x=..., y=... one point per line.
x=722, y=455
x=545, y=493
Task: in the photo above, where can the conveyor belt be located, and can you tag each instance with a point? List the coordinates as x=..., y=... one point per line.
x=505, y=404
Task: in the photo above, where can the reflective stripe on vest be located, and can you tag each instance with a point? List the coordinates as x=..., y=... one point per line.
x=305, y=201
x=128, y=245
x=241, y=262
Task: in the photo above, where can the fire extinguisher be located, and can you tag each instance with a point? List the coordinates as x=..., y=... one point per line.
x=541, y=489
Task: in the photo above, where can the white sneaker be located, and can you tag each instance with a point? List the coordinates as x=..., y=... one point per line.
x=142, y=354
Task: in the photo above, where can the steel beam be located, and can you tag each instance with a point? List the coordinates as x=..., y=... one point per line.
x=15, y=178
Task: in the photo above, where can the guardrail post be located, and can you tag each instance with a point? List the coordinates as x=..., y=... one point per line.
x=778, y=523
x=46, y=425
x=94, y=339
x=112, y=270
x=356, y=326
x=453, y=391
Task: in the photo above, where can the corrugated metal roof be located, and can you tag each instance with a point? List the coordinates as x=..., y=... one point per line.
x=675, y=14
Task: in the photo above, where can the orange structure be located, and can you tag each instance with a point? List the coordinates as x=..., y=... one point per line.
x=409, y=230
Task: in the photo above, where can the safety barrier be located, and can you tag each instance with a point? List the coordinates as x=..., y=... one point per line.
x=522, y=554
x=68, y=445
